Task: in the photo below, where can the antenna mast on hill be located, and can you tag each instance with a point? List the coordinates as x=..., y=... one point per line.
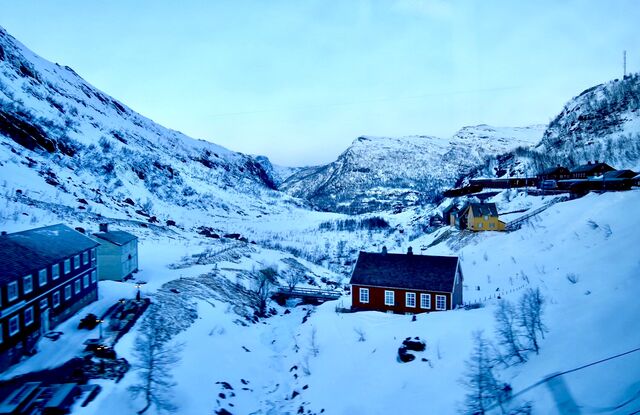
x=624, y=63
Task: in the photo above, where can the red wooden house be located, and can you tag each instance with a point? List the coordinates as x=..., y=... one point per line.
x=406, y=283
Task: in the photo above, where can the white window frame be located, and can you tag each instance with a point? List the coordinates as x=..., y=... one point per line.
x=12, y=286
x=28, y=285
x=85, y=281
x=94, y=276
x=42, y=277
x=67, y=266
x=407, y=301
x=15, y=319
x=93, y=255
x=67, y=292
x=425, y=301
x=441, y=298
x=55, y=271
x=28, y=320
x=389, y=294
x=55, y=299
x=364, y=295
x=44, y=303
x=85, y=257
x=76, y=262
x=480, y=225
x=76, y=286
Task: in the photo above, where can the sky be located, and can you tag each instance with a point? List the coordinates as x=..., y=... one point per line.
x=299, y=80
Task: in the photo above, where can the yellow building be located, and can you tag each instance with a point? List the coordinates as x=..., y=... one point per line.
x=483, y=217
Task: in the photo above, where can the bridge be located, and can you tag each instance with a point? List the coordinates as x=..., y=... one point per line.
x=309, y=295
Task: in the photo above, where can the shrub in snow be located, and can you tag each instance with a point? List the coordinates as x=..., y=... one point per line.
x=415, y=345
x=573, y=278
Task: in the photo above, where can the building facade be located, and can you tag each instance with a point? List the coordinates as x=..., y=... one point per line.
x=46, y=275
x=483, y=217
x=117, y=253
x=406, y=283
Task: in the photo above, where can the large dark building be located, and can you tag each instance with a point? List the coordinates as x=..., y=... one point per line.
x=46, y=275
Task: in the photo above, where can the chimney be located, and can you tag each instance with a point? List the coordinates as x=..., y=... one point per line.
x=589, y=163
x=384, y=249
x=410, y=251
x=4, y=233
x=596, y=162
x=104, y=227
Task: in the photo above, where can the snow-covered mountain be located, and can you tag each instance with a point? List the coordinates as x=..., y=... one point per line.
x=62, y=140
x=381, y=173
x=601, y=123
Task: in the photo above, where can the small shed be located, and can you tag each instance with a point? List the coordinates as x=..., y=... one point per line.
x=406, y=283
x=117, y=253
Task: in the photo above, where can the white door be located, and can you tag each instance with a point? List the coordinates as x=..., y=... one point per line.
x=44, y=321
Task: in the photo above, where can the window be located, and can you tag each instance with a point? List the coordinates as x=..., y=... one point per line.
x=56, y=298
x=27, y=284
x=425, y=301
x=12, y=290
x=94, y=276
x=492, y=225
x=1, y=338
x=55, y=272
x=486, y=217
x=85, y=281
x=364, y=295
x=441, y=302
x=67, y=266
x=44, y=303
x=389, y=297
x=67, y=292
x=76, y=262
x=480, y=225
x=85, y=257
x=14, y=327
x=93, y=255
x=42, y=277
x=28, y=316
x=410, y=299
x=76, y=286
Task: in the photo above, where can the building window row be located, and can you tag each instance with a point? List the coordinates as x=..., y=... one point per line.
x=27, y=280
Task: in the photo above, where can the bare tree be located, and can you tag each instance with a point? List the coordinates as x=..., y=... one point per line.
x=293, y=278
x=264, y=282
x=483, y=388
x=507, y=332
x=530, y=317
x=313, y=343
x=155, y=359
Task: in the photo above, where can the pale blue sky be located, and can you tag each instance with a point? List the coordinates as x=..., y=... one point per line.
x=299, y=80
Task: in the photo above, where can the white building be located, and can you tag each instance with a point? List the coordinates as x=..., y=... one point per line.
x=117, y=253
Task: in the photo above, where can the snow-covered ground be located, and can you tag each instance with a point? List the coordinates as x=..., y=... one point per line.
x=593, y=238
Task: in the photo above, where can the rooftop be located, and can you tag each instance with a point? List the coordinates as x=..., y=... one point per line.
x=116, y=237
x=24, y=252
x=416, y=272
x=482, y=209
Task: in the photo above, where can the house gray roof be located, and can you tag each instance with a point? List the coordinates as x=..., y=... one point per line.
x=591, y=167
x=481, y=209
x=414, y=272
x=620, y=174
x=25, y=252
x=554, y=170
x=116, y=237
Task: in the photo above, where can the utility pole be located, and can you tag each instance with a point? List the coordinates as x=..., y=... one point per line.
x=624, y=63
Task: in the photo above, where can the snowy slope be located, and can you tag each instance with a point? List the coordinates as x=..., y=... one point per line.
x=278, y=367
x=381, y=173
x=601, y=123
x=64, y=140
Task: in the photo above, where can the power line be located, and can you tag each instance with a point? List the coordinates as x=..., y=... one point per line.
x=368, y=101
x=555, y=375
